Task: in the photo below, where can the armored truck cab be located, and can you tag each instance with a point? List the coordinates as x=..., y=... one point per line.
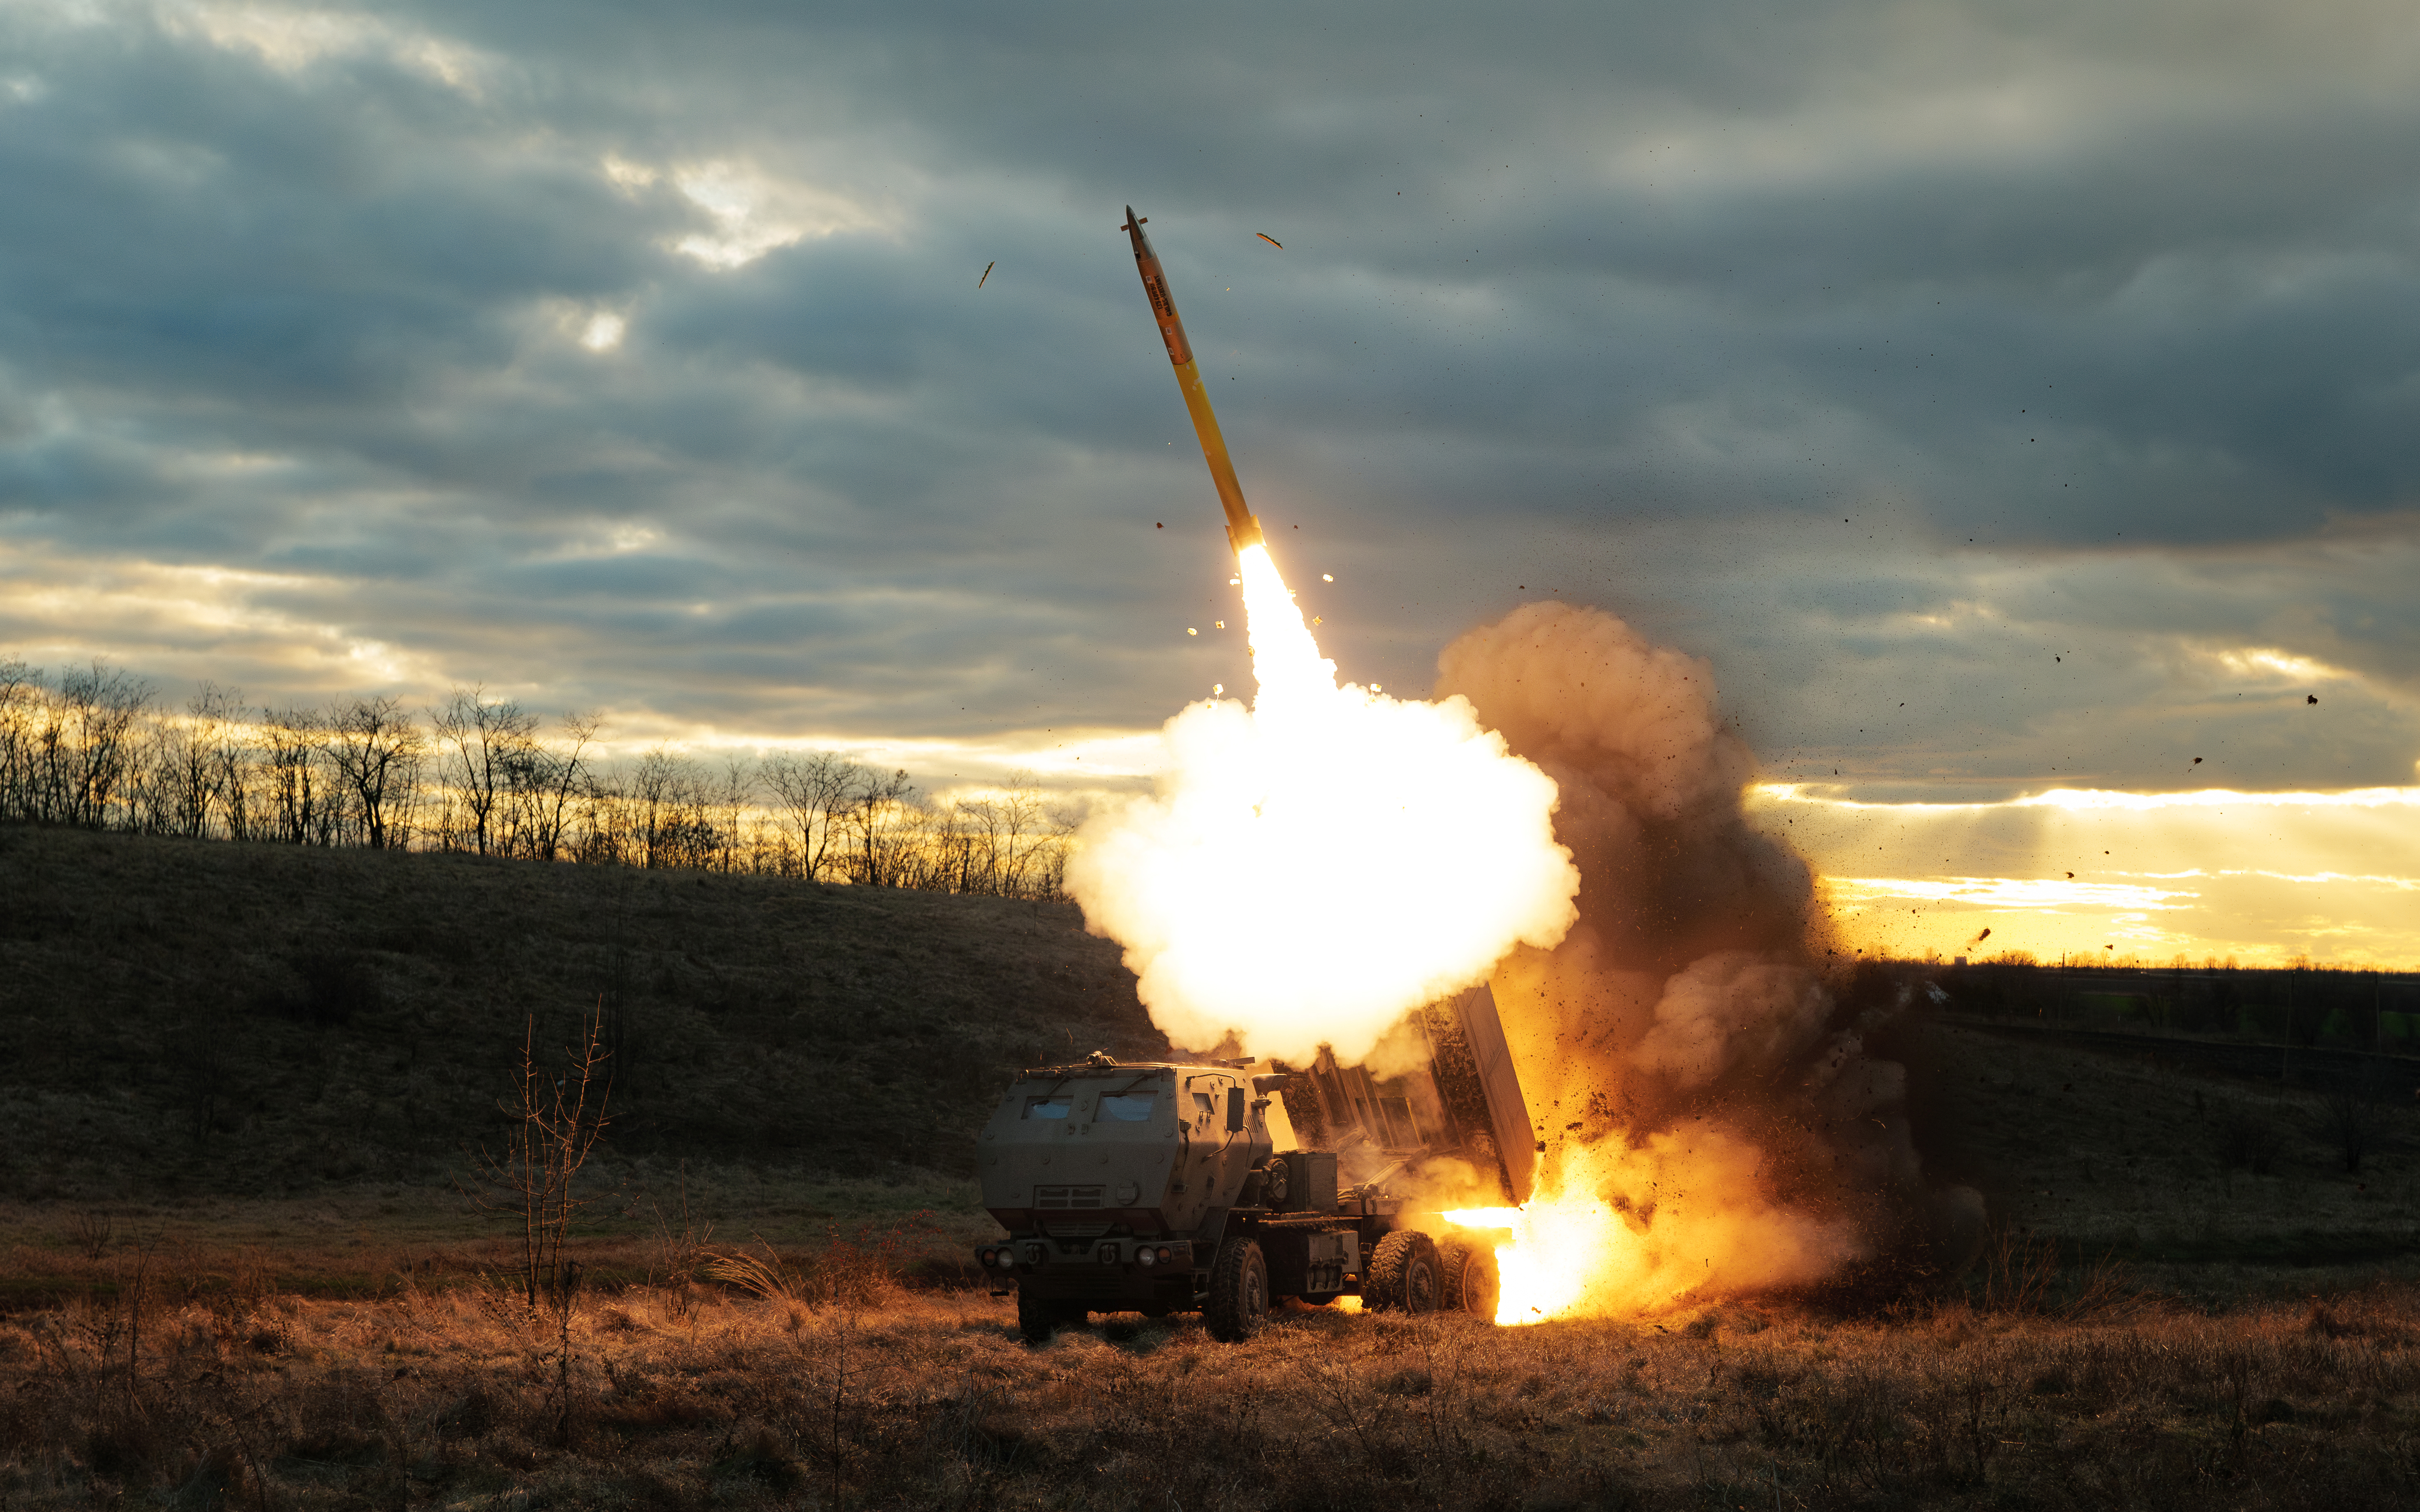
x=1222, y=1187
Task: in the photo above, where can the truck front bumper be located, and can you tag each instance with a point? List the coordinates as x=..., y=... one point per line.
x=1104, y=1275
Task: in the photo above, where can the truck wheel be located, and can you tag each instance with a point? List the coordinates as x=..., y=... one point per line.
x=1402, y=1274
x=1472, y=1284
x=1239, y=1293
x=1038, y=1317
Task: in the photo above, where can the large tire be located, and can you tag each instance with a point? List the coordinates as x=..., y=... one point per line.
x=1472, y=1283
x=1402, y=1275
x=1239, y=1293
x=1038, y=1317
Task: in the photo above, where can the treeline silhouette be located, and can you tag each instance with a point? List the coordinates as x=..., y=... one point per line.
x=94, y=749
x=2302, y=1004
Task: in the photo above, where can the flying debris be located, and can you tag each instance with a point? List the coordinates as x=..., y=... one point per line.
x=1270, y=239
x=1243, y=527
x=987, y=268
x=2196, y=760
x=2311, y=698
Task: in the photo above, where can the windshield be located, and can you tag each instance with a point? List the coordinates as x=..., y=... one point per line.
x=1047, y=1107
x=1129, y=1108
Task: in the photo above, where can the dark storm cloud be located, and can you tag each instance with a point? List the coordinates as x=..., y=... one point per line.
x=637, y=357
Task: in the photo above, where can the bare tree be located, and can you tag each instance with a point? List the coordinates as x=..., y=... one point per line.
x=190, y=764
x=21, y=698
x=880, y=813
x=556, y=1121
x=298, y=810
x=998, y=842
x=812, y=792
x=547, y=781
x=603, y=818
x=655, y=795
x=84, y=745
x=1023, y=832
x=376, y=750
x=232, y=755
x=487, y=744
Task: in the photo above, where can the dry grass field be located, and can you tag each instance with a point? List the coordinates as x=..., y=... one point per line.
x=239, y=1268
x=2208, y=1187
x=857, y=1395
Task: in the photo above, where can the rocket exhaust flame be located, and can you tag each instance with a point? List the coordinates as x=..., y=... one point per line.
x=1316, y=867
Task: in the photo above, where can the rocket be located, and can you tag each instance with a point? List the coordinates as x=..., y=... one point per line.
x=1243, y=527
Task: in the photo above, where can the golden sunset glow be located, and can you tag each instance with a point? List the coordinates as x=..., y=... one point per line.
x=2262, y=877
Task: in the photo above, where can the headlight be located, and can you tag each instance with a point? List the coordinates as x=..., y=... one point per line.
x=1006, y=1258
x=1146, y=1258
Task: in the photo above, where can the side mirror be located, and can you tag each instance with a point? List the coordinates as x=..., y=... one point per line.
x=1234, y=1110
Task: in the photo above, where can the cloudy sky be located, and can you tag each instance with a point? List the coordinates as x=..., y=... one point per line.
x=2004, y=399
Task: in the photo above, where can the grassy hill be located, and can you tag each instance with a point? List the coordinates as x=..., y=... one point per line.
x=292, y=1050
x=211, y=1019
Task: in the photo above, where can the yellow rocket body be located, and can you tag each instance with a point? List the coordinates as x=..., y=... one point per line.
x=1243, y=527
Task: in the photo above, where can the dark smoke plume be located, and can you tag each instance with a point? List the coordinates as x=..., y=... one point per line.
x=1694, y=1033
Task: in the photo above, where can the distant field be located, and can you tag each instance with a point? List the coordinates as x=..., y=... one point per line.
x=2208, y=1184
